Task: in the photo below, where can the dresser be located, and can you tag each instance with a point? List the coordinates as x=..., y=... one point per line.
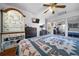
x=30, y=32
x=43, y=32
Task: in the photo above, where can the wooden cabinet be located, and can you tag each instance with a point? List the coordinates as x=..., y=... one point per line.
x=30, y=32
x=43, y=32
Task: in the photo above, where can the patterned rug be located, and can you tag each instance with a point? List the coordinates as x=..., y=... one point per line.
x=49, y=45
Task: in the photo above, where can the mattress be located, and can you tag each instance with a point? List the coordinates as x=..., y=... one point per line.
x=49, y=45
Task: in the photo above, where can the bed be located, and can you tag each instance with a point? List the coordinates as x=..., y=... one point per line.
x=49, y=45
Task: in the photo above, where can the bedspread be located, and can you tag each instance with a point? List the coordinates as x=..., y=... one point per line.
x=49, y=45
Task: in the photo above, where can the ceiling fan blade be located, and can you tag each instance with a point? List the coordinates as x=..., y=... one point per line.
x=46, y=11
x=46, y=5
x=53, y=4
x=60, y=6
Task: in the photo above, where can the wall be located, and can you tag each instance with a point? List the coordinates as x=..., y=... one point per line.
x=49, y=27
x=28, y=21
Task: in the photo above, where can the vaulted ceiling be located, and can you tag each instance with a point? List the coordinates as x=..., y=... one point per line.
x=38, y=8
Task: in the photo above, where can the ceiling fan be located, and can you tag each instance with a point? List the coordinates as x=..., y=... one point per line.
x=53, y=6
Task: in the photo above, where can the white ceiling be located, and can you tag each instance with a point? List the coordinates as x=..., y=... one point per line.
x=38, y=8
x=34, y=8
x=70, y=7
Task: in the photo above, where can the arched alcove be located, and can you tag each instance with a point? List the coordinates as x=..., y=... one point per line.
x=12, y=27
x=13, y=20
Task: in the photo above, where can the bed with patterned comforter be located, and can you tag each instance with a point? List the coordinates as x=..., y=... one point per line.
x=49, y=45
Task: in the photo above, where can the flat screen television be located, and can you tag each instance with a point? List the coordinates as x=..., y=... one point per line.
x=35, y=20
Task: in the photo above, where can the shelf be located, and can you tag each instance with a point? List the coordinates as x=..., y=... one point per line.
x=12, y=32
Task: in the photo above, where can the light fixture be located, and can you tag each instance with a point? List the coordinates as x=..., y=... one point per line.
x=52, y=9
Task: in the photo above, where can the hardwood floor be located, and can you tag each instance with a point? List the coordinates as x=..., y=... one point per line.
x=9, y=52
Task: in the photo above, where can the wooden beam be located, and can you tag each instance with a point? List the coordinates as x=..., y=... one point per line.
x=8, y=9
